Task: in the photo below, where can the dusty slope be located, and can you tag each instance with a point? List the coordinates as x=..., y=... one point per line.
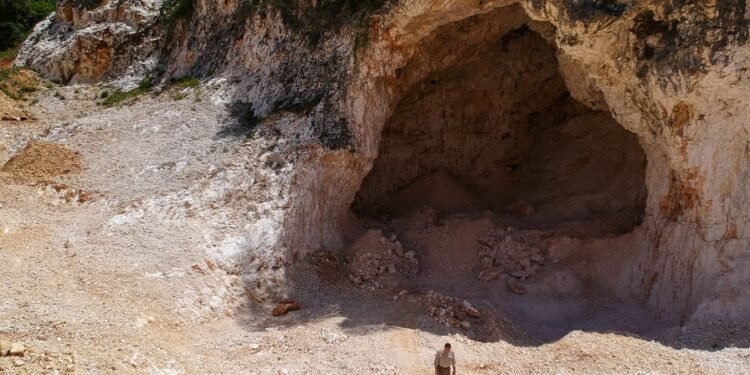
x=123, y=282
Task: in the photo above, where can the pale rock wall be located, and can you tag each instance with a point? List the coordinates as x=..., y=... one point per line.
x=674, y=75
x=690, y=123
x=115, y=41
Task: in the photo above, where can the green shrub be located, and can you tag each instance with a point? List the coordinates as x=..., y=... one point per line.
x=327, y=15
x=173, y=10
x=186, y=82
x=118, y=96
x=18, y=17
x=17, y=83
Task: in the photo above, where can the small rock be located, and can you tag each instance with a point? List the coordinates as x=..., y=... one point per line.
x=19, y=362
x=4, y=347
x=403, y=292
x=197, y=268
x=520, y=274
x=17, y=349
x=391, y=268
x=490, y=274
x=410, y=254
x=465, y=325
x=515, y=287
x=471, y=310
x=285, y=306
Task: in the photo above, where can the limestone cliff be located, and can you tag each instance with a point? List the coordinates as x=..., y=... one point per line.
x=674, y=73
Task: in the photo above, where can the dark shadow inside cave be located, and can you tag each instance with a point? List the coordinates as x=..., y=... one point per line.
x=501, y=132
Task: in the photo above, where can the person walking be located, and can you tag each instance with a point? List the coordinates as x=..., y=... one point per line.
x=444, y=359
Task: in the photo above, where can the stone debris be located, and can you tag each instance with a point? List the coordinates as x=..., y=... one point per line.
x=285, y=306
x=375, y=260
x=508, y=252
x=333, y=337
x=450, y=312
x=4, y=347
x=8, y=348
x=17, y=349
x=471, y=310
x=382, y=369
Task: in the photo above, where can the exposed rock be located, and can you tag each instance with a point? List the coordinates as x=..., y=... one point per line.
x=673, y=76
x=449, y=311
x=471, y=311
x=78, y=44
x=374, y=261
x=5, y=346
x=17, y=349
x=333, y=337
x=10, y=110
x=516, y=253
x=285, y=306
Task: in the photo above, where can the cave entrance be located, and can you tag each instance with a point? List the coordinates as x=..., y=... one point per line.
x=506, y=188
x=499, y=131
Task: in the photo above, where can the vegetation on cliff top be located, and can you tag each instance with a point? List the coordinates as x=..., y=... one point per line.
x=310, y=18
x=18, y=17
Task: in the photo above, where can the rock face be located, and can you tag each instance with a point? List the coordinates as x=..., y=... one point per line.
x=85, y=42
x=672, y=73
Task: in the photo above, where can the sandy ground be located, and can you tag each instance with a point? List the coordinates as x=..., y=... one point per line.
x=102, y=272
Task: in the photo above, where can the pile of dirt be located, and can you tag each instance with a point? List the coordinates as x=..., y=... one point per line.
x=518, y=254
x=40, y=161
x=375, y=261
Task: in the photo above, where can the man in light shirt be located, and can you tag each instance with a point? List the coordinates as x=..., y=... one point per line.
x=444, y=359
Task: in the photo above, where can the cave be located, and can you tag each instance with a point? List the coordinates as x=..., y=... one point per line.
x=499, y=131
x=511, y=188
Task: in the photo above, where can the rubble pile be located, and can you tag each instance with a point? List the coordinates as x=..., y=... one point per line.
x=510, y=252
x=451, y=312
x=375, y=261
